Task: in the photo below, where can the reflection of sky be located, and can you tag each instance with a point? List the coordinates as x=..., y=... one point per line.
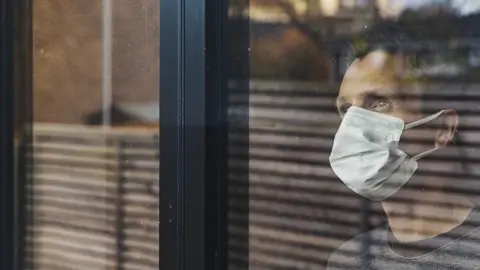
x=393, y=7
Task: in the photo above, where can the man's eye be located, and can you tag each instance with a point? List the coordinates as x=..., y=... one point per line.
x=381, y=105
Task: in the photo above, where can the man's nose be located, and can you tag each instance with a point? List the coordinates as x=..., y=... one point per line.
x=358, y=102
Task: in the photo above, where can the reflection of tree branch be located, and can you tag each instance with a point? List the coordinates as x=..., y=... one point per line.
x=458, y=5
x=287, y=7
x=303, y=27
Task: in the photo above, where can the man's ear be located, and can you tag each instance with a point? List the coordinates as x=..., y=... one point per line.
x=448, y=128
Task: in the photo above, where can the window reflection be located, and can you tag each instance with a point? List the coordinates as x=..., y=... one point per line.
x=92, y=164
x=362, y=136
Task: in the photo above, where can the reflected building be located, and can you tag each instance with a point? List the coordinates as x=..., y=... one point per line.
x=351, y=16
x=329, y=17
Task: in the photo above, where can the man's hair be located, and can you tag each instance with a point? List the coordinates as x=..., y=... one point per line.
x=393, y=39
x=387, y=36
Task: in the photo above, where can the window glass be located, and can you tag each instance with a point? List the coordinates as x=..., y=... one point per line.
x=353, y=144
x=91, y=161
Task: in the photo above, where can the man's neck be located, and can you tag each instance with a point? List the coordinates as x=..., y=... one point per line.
x=418, y=220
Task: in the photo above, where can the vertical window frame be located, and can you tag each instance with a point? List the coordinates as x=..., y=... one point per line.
x=190, y=121
x=193, y=134
x=7, y=197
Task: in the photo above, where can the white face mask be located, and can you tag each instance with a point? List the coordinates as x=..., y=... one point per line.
x=365, y=154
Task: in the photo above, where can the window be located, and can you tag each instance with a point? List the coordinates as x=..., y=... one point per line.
x=197, y=135
x=357, y=146
x=86, y=134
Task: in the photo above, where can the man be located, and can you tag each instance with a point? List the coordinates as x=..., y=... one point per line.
x=396, y=147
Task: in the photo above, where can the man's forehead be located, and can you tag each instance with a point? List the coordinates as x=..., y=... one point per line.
x=377, y=66
x=378, y=72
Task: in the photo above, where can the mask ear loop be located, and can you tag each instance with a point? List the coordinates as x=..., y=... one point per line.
x=421, y=122
x=424, y=120
x=424, y=154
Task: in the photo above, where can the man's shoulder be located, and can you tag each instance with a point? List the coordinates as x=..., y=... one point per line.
x=351, y=254
x=464, y=251
x=469, y=242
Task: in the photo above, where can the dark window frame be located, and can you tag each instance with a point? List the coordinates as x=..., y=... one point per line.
x=22, y=118
x=193, y=135
x=7, y=183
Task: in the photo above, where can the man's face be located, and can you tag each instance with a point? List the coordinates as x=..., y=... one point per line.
x=374, y=83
